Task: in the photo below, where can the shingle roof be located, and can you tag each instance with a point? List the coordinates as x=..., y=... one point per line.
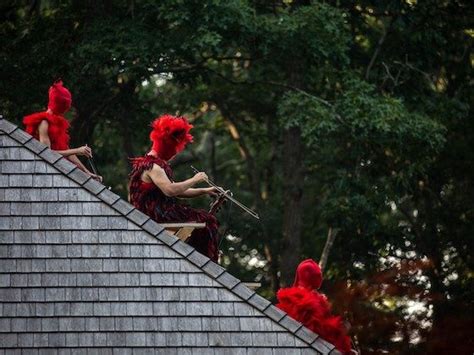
x=80, y=268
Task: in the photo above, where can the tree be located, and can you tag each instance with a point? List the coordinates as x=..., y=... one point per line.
x=324, y=116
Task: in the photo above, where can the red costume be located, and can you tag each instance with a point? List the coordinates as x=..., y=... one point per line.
x=169, y=136
x=303, y=303
x=60, y=101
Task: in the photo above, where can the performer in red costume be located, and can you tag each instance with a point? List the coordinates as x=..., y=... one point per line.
x=153, y=191
x=305, y=304
x=51, y=128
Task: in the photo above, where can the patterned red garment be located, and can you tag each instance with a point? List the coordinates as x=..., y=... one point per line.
x=57, y=129
x=149, y=199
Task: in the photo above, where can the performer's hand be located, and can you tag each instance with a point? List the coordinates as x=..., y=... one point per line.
x=212, y=191
x=85, y=151
x=200, y=177
x=96, y=177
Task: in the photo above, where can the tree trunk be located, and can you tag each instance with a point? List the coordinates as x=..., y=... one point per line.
x=435, y=272
x=327, y=247
x=293, y=174
x=126, y=135
x=292, y=203
x=273, y=267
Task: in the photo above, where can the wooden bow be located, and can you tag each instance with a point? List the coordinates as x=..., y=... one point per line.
x=226, y=195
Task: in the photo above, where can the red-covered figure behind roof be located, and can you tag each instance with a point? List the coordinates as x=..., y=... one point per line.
x=51, y=128
x=153, y=191
x=305, y=304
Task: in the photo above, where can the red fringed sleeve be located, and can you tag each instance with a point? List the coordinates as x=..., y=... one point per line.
x=314, y=311
x=57, y=131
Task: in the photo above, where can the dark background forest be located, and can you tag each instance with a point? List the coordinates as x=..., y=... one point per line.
x=346, y=124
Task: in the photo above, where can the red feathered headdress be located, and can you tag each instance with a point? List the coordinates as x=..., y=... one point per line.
x=60, y=98
x=169, y=135
x=308, y=275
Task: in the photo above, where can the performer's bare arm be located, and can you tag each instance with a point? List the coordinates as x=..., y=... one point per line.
x=73, y=158
x=192, y=192
x=70, y=154
x=172, y=189
x=44, y=138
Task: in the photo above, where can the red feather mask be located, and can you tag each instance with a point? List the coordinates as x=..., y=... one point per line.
x=60, y=98
x=308, y=275
x=170, y=135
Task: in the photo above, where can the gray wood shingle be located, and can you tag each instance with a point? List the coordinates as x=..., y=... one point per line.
x=83, y=271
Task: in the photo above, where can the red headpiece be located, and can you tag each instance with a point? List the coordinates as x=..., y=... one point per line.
x=170, y=135
x=60, y=98
x=308, y=275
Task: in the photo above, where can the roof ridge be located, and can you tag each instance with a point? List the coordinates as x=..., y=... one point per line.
x=215, y=271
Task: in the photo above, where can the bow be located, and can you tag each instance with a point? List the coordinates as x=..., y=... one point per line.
x=227, y=194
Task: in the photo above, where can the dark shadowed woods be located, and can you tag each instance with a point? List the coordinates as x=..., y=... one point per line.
x=346, y=124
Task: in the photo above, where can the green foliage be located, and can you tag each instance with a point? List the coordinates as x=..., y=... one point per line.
x=317, y=33
x=379, y=92
x=315, y=118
